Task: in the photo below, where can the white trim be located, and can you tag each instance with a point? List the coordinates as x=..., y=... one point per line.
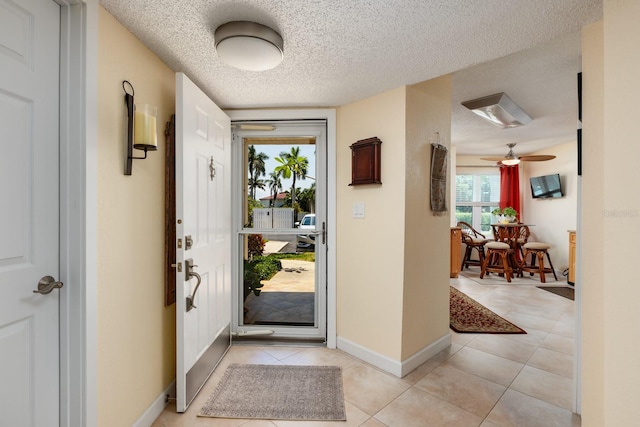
x=156, y=408
x=394, y=367
x=330, y=116
x=78, y=137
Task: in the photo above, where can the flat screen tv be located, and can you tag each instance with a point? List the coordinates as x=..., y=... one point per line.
x=546, y=187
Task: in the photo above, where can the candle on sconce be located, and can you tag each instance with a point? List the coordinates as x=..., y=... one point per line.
x=145, y=135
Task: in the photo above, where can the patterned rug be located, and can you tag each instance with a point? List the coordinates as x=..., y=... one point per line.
x=467, y=315
x=278, y=392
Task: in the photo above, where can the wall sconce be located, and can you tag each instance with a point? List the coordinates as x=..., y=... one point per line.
x=141, y=127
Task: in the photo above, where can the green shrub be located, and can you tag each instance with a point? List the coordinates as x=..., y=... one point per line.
x=464, y=216
x=257, y=269
x=266, y=267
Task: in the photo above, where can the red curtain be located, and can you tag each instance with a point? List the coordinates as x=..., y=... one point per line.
x=510, y=188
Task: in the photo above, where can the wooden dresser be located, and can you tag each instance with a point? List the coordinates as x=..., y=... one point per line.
x=571, y=278
x=456, y=241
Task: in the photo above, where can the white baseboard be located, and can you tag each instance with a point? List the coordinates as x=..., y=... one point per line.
x=394, y=367
x=156, y=408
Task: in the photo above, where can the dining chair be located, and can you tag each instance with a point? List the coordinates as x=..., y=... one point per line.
x=523, y=237
x=473, y=239
x=537, y=250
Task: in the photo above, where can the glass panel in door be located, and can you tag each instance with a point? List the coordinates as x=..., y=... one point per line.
x=281, y=241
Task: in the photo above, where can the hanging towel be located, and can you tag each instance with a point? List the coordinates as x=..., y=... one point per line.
x=439, y=179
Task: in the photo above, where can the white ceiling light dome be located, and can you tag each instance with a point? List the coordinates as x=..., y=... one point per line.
x=249, y=46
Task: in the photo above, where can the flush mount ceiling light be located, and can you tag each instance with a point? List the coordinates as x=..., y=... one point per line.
x=248, y=45
x=499, y=109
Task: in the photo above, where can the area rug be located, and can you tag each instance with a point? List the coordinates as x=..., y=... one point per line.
x=467, y=315
x=278, y=392
x=563, y=291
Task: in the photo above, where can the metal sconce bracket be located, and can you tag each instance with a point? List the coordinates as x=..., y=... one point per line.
x=128, y=99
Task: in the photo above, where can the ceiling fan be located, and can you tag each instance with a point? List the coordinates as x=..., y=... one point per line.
x=511, y=159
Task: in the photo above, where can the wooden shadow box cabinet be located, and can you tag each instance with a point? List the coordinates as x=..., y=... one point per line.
x=365, y=162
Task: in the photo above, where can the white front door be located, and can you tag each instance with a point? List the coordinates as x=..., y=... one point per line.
x=203, y=230
x=29, y=218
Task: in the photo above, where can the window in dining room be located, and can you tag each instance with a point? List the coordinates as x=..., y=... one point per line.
x=477, y=194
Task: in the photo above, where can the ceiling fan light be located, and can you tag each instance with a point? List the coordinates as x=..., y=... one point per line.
x=510, y=162
x=499, y=110
x=249, y=46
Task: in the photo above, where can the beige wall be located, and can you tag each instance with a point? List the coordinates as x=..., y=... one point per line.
x=370, y=251
x=392, y=274
x=426, y=254
x=551, y=218
x=611, y=217
x=136, y=335
x=591, y=266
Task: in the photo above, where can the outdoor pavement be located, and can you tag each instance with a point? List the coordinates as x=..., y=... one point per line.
x=287, y=298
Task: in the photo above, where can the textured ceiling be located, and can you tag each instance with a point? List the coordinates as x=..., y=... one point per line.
x=340, y=51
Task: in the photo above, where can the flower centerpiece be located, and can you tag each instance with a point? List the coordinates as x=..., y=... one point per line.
x=505, y=215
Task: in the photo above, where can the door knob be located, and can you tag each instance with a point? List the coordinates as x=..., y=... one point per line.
x=47, y=284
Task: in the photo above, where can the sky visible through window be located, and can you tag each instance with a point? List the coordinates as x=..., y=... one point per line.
x=273, y=151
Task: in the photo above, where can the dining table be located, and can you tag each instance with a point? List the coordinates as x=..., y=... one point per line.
x=508, y=232
x=511, y=233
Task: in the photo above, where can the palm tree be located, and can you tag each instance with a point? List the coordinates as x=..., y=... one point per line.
x=256, y=183
x=293, y=166
x=256, y=170
x=275, y=185
x=307, y=198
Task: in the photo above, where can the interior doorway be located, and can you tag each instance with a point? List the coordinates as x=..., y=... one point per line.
x=281, y=218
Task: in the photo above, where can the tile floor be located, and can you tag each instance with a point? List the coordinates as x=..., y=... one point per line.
x=481, y=380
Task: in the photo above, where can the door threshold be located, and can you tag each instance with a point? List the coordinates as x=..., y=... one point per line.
x=279, y=341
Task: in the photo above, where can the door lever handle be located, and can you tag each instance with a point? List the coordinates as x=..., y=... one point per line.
x=47, y=284
x=189, y=273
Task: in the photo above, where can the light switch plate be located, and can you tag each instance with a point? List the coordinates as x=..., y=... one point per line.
x=358, y=210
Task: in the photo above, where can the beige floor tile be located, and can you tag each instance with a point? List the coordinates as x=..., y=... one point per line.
x=544, y=385
x=488, y=366
x=462, y=339
x=533, y=336
x=370, y=389
x=416, y=408
x=564, y=329
x=518, y=409
x=421, y=371
x=245, y=354
x=457, y=386
x=467, y=391
x=527, y=321
x=552, y=361
x=355, y=418
x=282, y=352
x=559, y=343
x=503, y=347
x=320, y=356
x=372, y=422
x=568, y=317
